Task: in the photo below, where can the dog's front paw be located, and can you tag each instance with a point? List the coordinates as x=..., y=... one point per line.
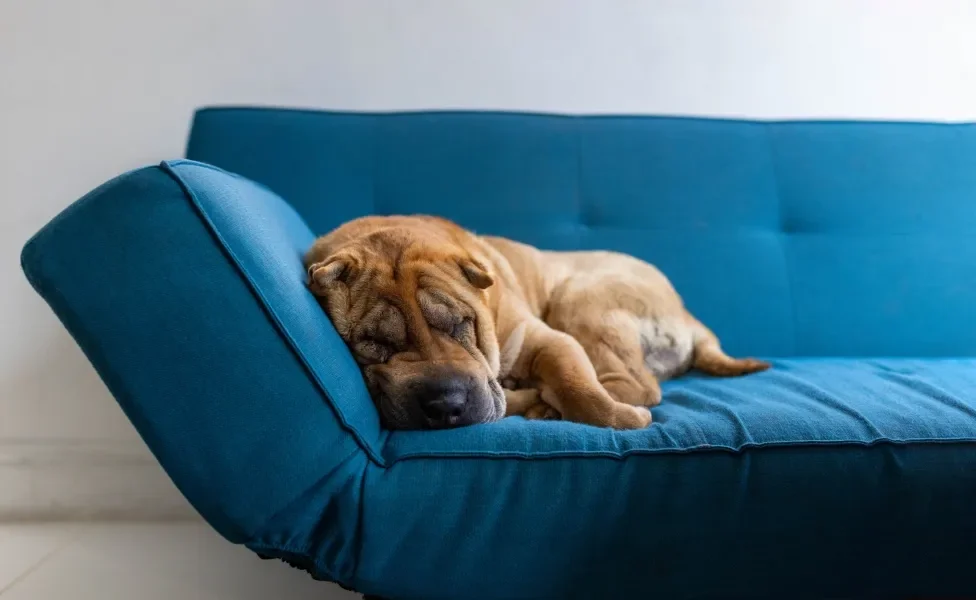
x=628, y=390
x=630, y=417
x=518, y=402
x=543, y=412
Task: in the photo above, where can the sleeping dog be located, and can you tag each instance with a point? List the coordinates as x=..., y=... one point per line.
x=452, y=328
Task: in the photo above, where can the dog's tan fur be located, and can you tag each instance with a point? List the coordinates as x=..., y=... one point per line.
x=586, y=336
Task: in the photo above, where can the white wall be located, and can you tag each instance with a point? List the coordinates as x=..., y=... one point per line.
x=89, y=89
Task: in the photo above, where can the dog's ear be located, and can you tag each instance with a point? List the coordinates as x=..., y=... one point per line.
x=334, y=268
x=476, y=273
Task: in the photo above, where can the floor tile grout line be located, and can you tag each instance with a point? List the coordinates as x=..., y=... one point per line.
x=71, y=539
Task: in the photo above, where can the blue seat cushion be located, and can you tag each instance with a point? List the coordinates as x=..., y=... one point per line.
x=816, y=462
x=799, y=401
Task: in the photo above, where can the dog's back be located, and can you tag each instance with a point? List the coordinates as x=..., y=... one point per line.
x=624, y=312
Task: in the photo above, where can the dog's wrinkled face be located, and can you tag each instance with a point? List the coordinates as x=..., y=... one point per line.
x=415, y=316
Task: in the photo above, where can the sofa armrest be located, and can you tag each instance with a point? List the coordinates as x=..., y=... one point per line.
x=184, y=286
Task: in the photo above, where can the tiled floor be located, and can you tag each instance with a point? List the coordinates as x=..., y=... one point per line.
x=160, y=561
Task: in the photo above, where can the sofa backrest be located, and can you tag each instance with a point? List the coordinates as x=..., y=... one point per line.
x=786, y=238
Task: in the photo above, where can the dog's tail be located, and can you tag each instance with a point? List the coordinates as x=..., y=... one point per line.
x=711, y=359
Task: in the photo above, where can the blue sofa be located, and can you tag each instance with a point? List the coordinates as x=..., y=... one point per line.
x=845, y=252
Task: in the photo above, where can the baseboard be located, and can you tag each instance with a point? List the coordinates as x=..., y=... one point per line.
x=85, y=479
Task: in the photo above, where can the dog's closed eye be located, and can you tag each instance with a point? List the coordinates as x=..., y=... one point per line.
x=369, y=351
x=439, y=310
x=441, y=317
x=464, y=332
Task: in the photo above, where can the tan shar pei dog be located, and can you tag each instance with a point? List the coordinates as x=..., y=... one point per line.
x=452, y=328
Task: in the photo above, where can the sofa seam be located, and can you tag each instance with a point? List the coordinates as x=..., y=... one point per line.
x=699, y=449
x=783, y=235
x=167, y=166
x=360, y=526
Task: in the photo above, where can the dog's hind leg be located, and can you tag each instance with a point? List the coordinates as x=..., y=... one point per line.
x=614, y=348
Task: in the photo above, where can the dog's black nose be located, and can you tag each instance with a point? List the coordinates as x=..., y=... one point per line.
x=443, y=400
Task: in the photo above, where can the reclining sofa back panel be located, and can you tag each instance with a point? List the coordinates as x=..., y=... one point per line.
x=786, y=238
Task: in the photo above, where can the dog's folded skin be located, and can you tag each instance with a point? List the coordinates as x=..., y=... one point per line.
x=438, y=318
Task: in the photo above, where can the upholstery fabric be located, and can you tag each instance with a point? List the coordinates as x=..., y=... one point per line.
x=850, y=476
